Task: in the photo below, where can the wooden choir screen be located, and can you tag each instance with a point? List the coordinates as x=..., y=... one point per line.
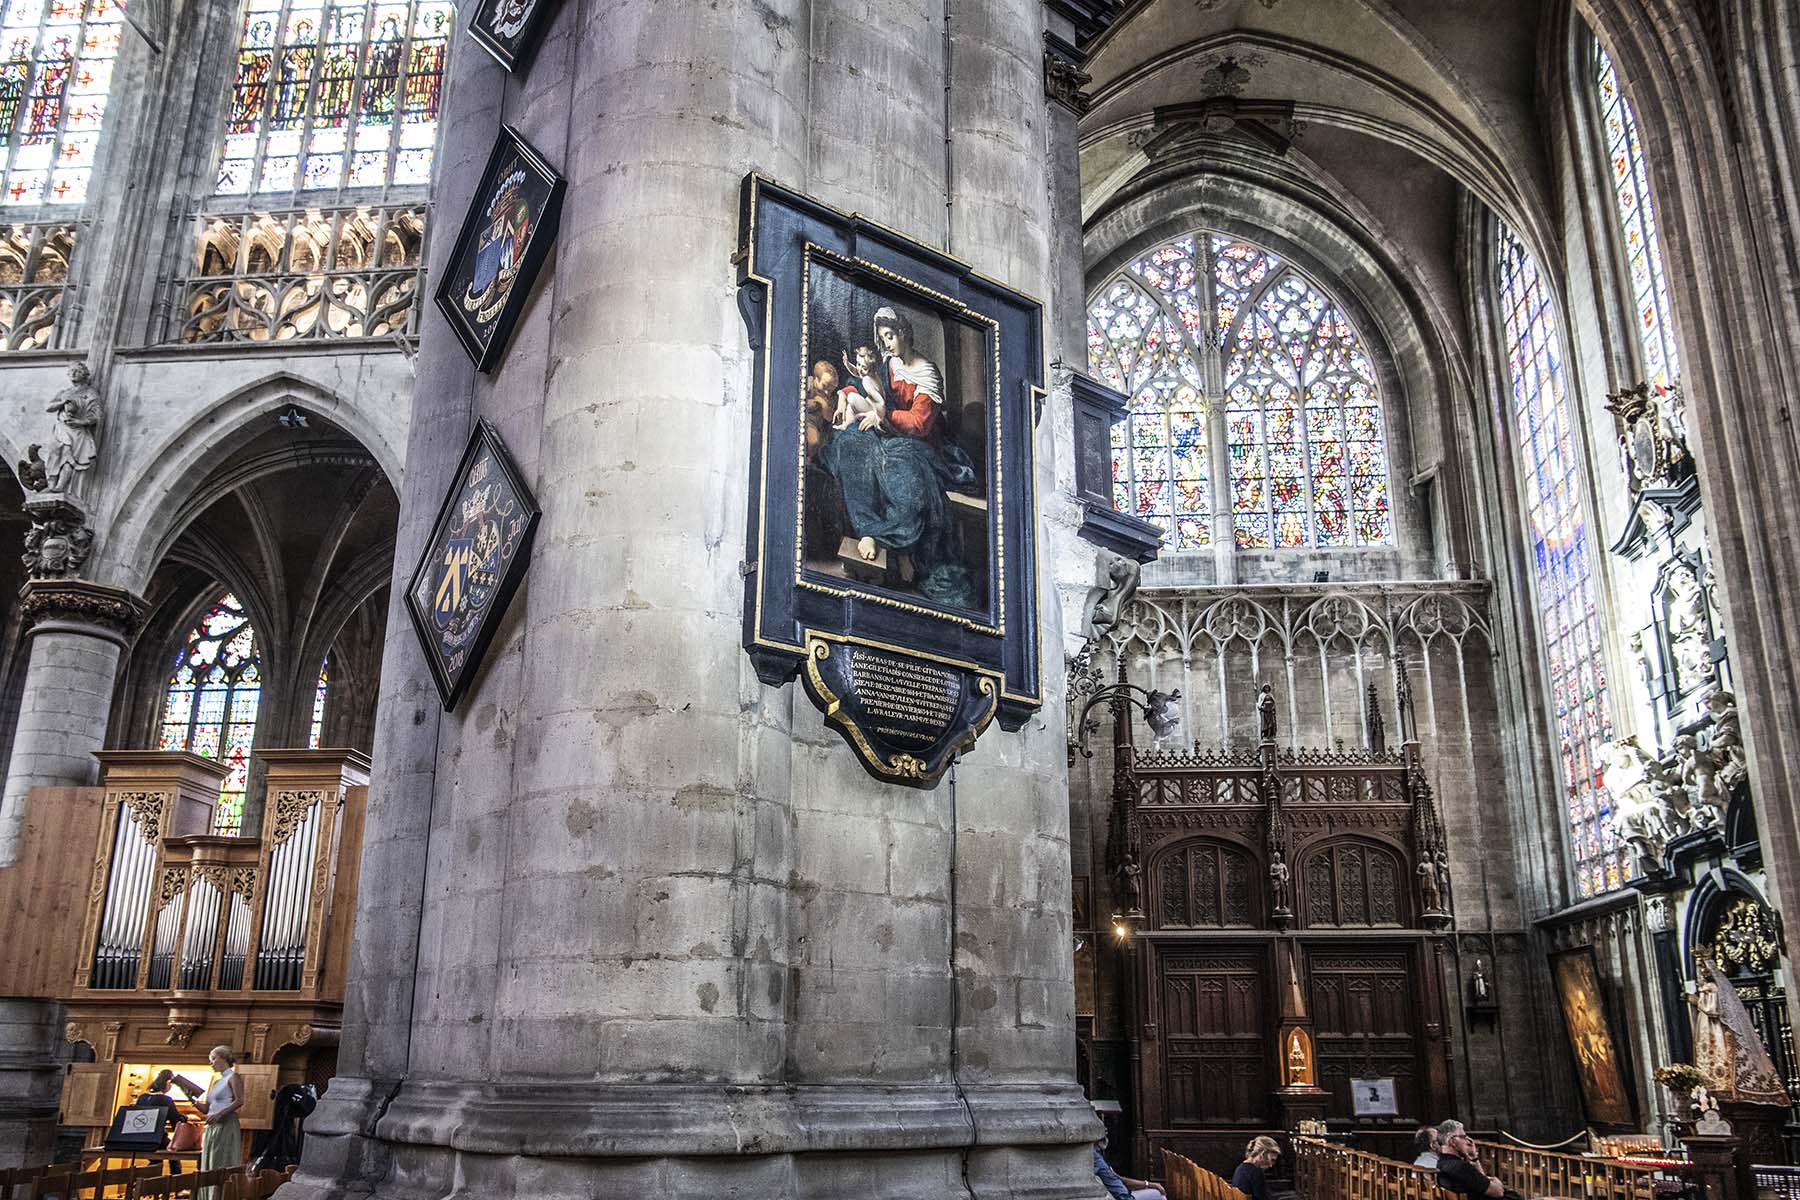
x=1352, y=883
x=1365, y=1021
x=1207, y=884
x=1289, y=897
x=1211, y=1009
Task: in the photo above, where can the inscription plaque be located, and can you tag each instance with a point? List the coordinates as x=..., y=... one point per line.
x=904, y=715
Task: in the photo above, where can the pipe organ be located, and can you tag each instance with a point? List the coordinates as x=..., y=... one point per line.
x=193, y=939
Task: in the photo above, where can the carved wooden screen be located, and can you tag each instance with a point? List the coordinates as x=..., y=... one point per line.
x=1207, y=885
x=1214, y=1036
x=1354, y=884
x=1363, y=1023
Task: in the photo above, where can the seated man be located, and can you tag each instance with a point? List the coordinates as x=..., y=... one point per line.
x=1426, y=1144
x=1459, y=1171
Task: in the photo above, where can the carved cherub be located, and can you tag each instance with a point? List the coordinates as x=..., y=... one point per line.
x=1726, y=741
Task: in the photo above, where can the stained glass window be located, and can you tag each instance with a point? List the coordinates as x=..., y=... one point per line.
x=1561, y=550
x=1305, y=443
x=210, y=706
x=318, y=716
x=1637, y=226
x=334, y=93
x=56, y=64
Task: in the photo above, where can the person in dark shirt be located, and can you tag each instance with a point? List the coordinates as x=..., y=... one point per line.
x=1459, y=1171
x=1251, y=1176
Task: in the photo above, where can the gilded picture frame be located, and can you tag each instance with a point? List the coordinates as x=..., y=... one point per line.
x=1606, y=1091
x=474, y=560
x=505, y=236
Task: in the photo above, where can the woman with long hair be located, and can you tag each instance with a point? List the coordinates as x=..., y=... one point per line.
x=223, y=1145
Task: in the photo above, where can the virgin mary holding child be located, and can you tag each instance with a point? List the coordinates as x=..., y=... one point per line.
x=894, y=459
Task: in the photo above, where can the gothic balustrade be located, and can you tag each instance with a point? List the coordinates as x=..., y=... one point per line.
x=36, y=308
x=298, y=275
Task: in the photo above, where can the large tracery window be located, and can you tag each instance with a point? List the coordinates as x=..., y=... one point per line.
x=1303, y=434
x=1637, y=226
x=56, y=64
x=214, y=692
x=334, y=93
x=1562, y=562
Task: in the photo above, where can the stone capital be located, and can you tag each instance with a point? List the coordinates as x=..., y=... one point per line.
x=79, y=606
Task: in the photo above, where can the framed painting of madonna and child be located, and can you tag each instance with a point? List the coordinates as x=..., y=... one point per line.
x=895, y=492
x=892, y=511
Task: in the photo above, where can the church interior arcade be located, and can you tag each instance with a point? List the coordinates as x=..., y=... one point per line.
x=1389, y=725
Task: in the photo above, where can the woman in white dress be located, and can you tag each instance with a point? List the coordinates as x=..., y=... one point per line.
x=223, y=1145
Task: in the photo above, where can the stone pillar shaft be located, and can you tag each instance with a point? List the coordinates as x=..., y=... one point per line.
x=632, y=920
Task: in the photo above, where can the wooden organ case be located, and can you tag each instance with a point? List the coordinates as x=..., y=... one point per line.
x=192, y=938
x=1286, y=935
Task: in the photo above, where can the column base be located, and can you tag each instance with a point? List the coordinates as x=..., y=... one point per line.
x=31, y=1078
x=707, y=1142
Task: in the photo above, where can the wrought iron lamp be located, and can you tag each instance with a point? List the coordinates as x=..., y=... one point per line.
x=1162, y=710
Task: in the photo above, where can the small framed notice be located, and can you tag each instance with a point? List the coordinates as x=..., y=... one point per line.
x=1373, y=1098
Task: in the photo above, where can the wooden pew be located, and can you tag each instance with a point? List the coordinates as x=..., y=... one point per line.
x=260, y=1186
x=169, y=1186
x=14, y=1181
x=1184, y=1179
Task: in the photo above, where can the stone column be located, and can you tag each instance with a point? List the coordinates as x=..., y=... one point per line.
x=632, y=922
x=77, y=631
x=31, y=1054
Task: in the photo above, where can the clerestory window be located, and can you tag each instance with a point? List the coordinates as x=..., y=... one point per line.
x=333, y=94
x=56, y=66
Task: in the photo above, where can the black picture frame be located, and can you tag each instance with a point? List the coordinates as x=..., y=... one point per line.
x=456, y=615
x=488, y=277
x=510, y=29
x=817, y=287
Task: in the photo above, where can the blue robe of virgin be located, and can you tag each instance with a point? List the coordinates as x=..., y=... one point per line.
x=894, y=488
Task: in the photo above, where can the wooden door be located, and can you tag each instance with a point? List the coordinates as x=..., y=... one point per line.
x=1365, y=1023
x=1213, y=1009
